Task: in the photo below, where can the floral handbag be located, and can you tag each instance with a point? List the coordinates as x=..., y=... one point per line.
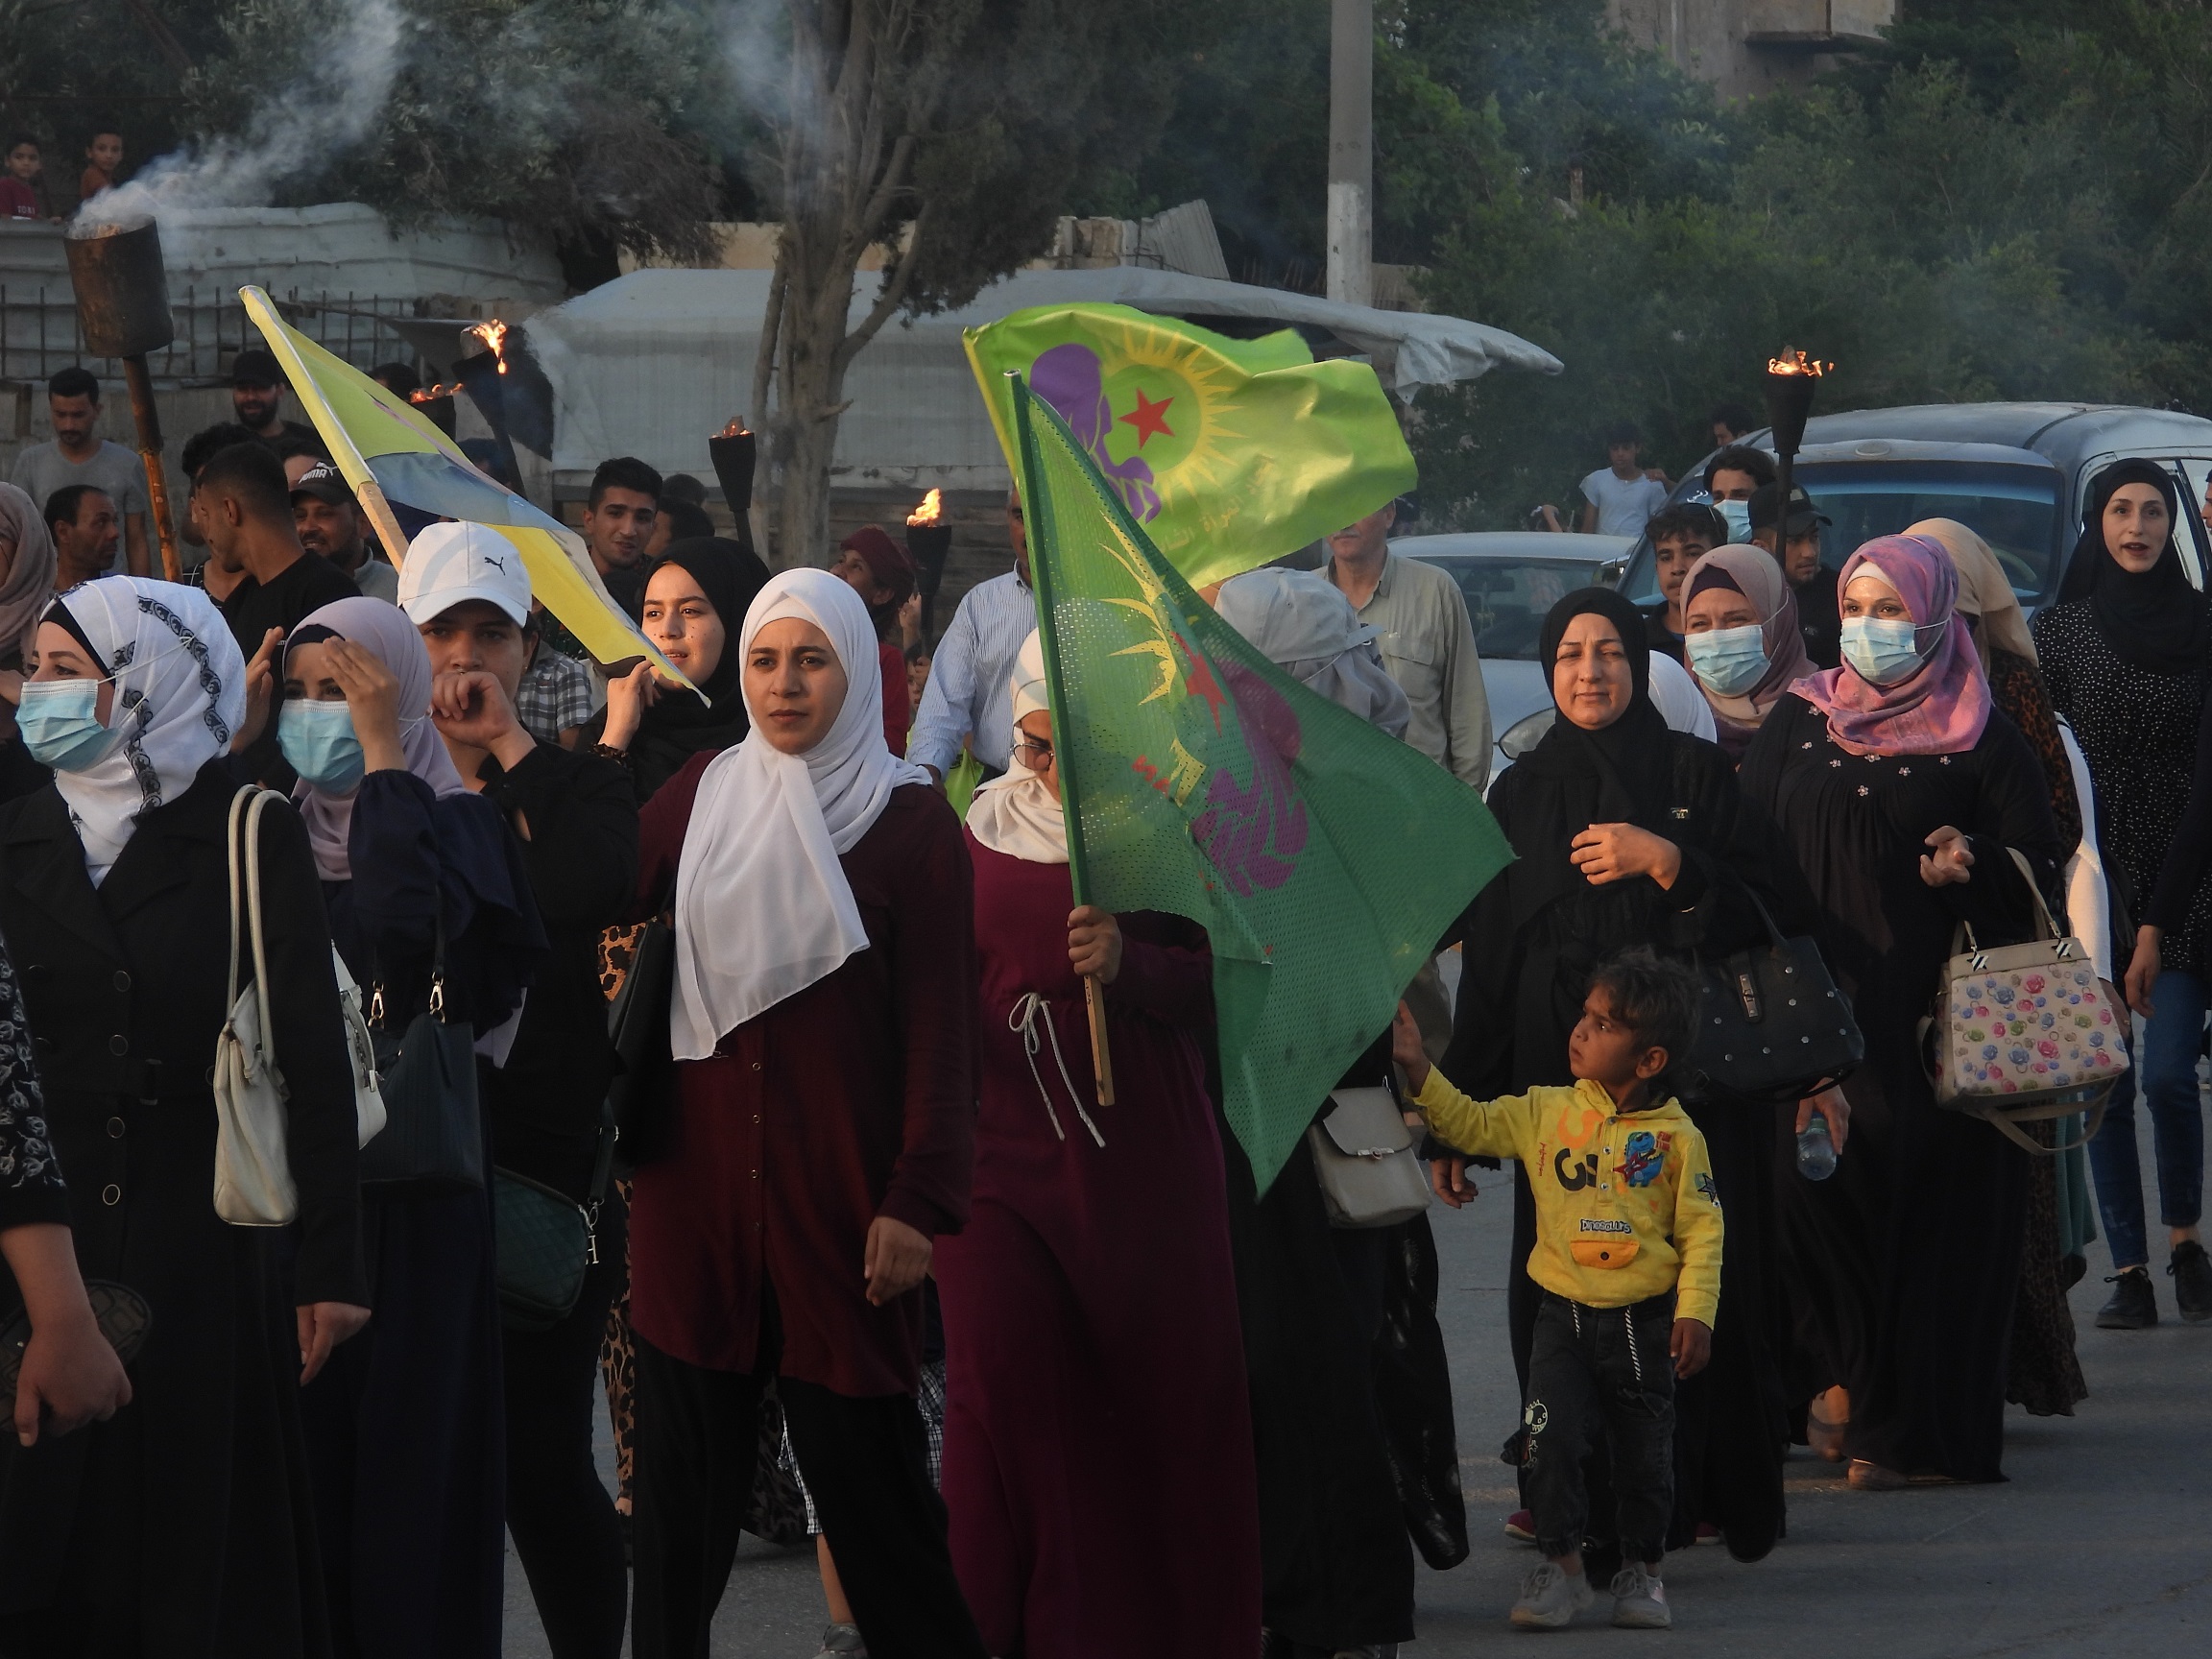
x=2022, y=1032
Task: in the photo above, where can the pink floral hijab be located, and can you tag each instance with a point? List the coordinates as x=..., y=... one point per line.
x=1944, y=707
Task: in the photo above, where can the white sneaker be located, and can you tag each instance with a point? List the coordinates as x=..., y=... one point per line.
x=1550, y=1598
x=1640, y=1599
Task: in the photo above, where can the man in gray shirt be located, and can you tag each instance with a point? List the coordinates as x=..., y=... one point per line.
x=1427, y=641
x=76, y=456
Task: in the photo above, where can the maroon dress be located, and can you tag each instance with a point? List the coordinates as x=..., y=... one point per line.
x=849, y=1100
x=1097, y=1434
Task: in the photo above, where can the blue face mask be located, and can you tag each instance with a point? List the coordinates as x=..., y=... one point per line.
x=1880, y=648
x=1728, y=660
x=1738, y=516
x=59, y=723
x=318, y=742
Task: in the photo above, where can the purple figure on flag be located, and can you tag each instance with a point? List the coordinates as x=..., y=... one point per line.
x=1072, y=380
x=1254, y=834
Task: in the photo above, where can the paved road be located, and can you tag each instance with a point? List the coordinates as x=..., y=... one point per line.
x=2100, y=1544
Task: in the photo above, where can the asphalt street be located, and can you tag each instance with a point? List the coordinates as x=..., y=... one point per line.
x=2101, y=1543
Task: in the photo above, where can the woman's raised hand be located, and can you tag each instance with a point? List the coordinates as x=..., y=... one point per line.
x=372, y=698
x=1951, y=863
x=628, y=697
x=1616, y=851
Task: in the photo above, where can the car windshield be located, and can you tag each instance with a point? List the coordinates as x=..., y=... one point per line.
x=1508, y=598
x=2015, y=509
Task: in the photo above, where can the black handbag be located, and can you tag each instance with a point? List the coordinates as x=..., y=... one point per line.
x=433, y=1123
x=122, y=1314
x=1772, y=1025
x=547, y=1242
x=642, y=1095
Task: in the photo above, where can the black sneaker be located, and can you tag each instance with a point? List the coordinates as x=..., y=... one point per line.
x=2133, y=1307
x=2192, y=1271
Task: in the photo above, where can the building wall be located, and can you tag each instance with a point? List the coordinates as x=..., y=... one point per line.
x=1745, y=47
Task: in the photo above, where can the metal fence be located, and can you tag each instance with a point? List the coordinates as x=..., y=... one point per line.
x=39, y=333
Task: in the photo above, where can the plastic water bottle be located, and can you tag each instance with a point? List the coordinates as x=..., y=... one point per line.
x=1816, y=1151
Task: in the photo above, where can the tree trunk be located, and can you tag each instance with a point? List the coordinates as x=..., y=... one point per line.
x=845, y=149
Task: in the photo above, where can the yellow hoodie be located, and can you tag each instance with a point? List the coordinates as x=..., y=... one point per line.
x=1626, y=1204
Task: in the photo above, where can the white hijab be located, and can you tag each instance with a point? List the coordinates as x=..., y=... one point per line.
x=1018, y=814
x=1303, y=625
x=180, y=695
x=762, y=906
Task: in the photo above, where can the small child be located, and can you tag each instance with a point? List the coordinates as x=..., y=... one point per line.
x=1629, y=1257
x=102, y=158
x=20, y=191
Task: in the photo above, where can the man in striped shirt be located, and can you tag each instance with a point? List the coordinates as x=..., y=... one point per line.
x=968, y=695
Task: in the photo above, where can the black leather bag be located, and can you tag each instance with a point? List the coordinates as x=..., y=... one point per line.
x=1772, y=1025
x=433, y=1124
x=547, y=1242
x=643, y=1095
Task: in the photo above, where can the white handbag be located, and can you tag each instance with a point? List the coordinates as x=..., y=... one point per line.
x=253, y=1184
x=1365, y=1160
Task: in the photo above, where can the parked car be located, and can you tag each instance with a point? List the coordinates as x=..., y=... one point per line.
x=1511, y=579
x=2018, y=473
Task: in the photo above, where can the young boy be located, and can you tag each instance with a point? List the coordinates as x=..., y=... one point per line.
x=102, y=158
x=20, y=191
x=1629, y=1256
x=1680, y=537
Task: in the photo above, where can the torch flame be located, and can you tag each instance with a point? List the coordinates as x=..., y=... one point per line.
x=1798, y=363
x=931, y=510
x=493, y=334
x=735, y=429
x=431, y=393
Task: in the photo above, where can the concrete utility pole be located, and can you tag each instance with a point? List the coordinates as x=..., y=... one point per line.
x=1352, y=151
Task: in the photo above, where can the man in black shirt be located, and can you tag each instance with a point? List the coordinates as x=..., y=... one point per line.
x=245, y=511
x=1819, y=618
x=257, y=393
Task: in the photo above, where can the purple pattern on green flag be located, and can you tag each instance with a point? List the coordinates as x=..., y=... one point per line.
x=1324, y=859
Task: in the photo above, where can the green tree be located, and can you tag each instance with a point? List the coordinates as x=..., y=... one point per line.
x=950, y=132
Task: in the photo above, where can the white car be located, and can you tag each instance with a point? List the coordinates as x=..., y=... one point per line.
x=1510, y=580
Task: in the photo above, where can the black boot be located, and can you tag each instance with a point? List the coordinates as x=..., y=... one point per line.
x=2192, y=1271
x=2133, y=1307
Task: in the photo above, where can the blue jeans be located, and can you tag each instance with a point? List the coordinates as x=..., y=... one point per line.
x=2165, y=1076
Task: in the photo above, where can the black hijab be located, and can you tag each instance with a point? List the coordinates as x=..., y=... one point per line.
x=1574, y=778
x=2153, y=619
x=678, y=726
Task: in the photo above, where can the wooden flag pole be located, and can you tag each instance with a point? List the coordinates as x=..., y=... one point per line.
x=351, y=464
x=1039, y=506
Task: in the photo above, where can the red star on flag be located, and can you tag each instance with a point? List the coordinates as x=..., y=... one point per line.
x=1150, y=418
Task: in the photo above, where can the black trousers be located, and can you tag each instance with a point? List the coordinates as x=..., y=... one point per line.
x=1601, y=1370
x=867, y=1465
x=558, y=1513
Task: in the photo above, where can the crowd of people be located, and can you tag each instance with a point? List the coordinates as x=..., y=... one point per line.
x=770, y=991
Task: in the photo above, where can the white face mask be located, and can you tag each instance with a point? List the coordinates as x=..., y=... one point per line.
x=1728, y=660
x=1738, y=516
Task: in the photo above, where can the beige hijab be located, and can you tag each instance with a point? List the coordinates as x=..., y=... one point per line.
x=28, y=583
x=1984, y=593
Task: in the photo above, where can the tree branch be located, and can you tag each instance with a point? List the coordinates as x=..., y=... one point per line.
x=894, y=295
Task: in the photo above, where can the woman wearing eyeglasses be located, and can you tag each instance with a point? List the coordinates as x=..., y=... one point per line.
x=1095, y=1373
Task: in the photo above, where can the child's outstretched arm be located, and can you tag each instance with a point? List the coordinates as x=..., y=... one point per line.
x=1482, y=1128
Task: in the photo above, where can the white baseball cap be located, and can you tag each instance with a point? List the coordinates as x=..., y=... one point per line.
x=449, y=565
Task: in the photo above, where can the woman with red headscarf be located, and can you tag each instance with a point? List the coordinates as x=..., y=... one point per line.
x=1900, y=788
x=883, y=573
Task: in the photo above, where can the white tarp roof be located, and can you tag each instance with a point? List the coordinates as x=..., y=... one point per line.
x=654, y=363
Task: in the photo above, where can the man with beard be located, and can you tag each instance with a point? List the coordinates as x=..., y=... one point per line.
x=328, y=520
x=257, y=395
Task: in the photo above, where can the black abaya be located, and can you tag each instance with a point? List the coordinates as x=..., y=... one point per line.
x=1904, y=1264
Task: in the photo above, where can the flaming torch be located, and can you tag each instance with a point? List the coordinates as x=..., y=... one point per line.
x=437, y=405
x=123, y=306
x=1791, y=379
x=930, y=538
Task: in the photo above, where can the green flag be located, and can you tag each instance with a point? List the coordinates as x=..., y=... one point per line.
x=1325, y=858
x=1229, y=452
